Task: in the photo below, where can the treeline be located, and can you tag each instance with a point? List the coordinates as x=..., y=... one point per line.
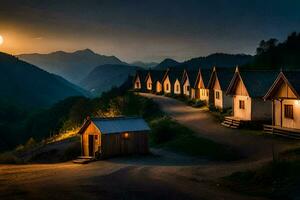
x=275, y=54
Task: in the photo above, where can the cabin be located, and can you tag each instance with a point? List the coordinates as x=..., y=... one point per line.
x=201, y=85
x=154, y=81
x=247, y=89
x=188, y=83
x=217, y=85
x=172, y=82
x=139, y=83
x=284, y=94
x=108, y=137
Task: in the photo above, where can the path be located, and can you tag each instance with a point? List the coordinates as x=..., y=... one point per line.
x=248, y=142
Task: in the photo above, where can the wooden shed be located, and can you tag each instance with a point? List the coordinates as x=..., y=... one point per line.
x=285, y=97
x=172, y=82
x=107, y=137
x=154, y=81
x=217, y=85
x=139, y=80
x=247, y=89
x=201, y=85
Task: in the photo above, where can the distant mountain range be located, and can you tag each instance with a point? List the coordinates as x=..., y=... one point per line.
x=24, y=84
x=217, y=59
x=144, y=65
x=104, y=77
x=72, y=66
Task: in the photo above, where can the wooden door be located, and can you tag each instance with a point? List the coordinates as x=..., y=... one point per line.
x=91, y=145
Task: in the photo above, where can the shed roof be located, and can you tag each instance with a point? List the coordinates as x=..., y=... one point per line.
x=224, y=76
x=117, y=125
x=257, y=82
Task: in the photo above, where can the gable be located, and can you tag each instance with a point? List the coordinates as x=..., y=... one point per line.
x=201, y=83
x=216, y=85
x=284, y=91
x=186, y=82
x=91, y=129
x=137, y=79
x=240, y=88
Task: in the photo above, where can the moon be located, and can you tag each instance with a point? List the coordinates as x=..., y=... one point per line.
x=1, y=40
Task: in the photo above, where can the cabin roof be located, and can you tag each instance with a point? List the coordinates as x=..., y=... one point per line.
x=173, y=75
x=205, y=73
x=292, y=78
x=192, y=75
x=156, y=75
x=117, y=125
x=224, y=76
x=142, y=74
x=257, y=82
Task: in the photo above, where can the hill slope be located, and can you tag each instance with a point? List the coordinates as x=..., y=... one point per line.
x=217, y=59
x=104, y=77
x=24, y=84
x=72, y=66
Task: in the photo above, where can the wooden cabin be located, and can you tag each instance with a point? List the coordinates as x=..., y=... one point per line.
x=285, y=97
x=188, y=83
x=172, y=82
x=154, y=81
x=217, y=85
x=201, y=83
x=247, y=89
x=139, y=81
x=107, y=137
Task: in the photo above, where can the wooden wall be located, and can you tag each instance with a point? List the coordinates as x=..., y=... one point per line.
x=167, y=81
x=91, y=130
x=177, y=84
x=115, y=144
x=158, y=87
x=185, y=85
x=149, y=83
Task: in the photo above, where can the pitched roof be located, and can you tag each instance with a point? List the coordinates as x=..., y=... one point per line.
x=257, y=82
x=205, y=73
x=224, y=76
x=292, y=78
x=117, y=125
x=142, y=74
x=192, y=75
x=173, y=75
x=156, y=75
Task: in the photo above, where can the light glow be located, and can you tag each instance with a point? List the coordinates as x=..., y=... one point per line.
x=1, y=40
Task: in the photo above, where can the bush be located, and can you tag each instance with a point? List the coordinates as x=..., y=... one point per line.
x=72, y=152
x=162, y=131
x=9, y=158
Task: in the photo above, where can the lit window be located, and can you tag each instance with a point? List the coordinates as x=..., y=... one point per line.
x=126, y=135
x=177, y=88
x=242, y=104
x=288, y=111
x=167, y=87
x=217, y=95
x=96, y=137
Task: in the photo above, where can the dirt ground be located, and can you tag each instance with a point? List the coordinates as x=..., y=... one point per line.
x=162, y=175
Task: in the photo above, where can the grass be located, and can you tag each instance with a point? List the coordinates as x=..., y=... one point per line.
x=279, y=179
x=171, y=135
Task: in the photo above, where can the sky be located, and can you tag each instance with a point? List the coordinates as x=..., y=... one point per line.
x=145, y=30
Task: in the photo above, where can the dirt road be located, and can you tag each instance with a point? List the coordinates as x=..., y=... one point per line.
x=252, y=144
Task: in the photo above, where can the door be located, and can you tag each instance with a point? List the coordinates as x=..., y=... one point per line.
x=91, y=145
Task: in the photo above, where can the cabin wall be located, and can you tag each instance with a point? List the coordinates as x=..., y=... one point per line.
x=186, y=85
x=116, y=144
x=149, y=84
x=244, y=114
x=204, y=95
x=286, y=122
x=90, y=130
x=193, y=93
x=158, y=87
x=137, y=83
x=261, y=110
x=167, y=85
x=177, y=88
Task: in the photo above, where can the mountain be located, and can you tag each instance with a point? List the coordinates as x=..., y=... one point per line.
x=72, y=66
x=144, y=65
x=104, y=77
x=217, y=59
x=166, y=63
x=24, y=84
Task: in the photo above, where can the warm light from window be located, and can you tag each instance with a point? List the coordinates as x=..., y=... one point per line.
x=126, y=135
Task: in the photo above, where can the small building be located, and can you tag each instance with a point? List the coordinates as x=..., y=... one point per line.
x=172, y=82
x=154, y=81
x=285, y=97
x=188, y=83
x=247, y=89
x=139, y=80
x=201, y=85
x=107, y=137
x=217, y=85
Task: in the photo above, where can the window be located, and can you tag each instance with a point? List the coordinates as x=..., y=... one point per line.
x=242, y=104
x=206, y=93
x=149, y=85
x=217, y=95
x=177, y=88
x=167, y=87
x=188, y=88
x=288, y=111
x=137, y=85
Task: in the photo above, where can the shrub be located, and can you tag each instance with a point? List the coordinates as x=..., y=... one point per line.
x=72, y=152
x=9, y=158
x=162, y=131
